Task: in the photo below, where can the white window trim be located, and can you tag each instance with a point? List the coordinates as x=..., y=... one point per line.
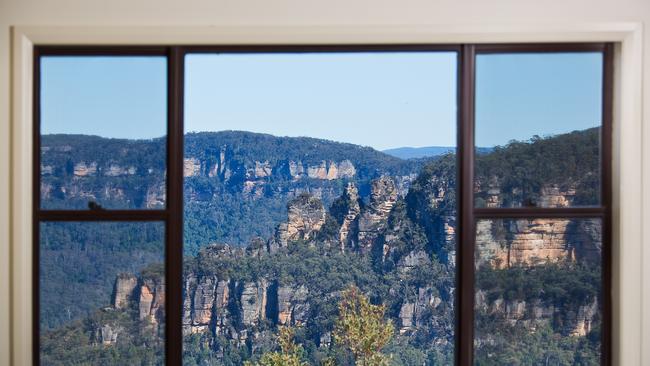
x=631, y=165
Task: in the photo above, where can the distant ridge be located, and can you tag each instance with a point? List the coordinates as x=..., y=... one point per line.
x=426, y=152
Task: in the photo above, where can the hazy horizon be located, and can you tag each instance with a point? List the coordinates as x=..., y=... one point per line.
x=311, y=137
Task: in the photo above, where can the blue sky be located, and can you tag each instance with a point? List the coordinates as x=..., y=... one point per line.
x=121, y=97
x=383, y=100
x=380, y=100
x=521, y=95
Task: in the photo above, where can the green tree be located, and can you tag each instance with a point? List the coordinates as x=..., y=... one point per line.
x=290, y=353
x=362, y=329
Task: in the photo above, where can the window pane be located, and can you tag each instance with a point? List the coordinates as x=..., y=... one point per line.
x=103, y=132
x=306, y=174
x=102, y=293
x=538, y=298
x=538, y=119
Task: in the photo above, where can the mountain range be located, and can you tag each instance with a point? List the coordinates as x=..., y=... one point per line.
x=276, y=227
x=427, y=151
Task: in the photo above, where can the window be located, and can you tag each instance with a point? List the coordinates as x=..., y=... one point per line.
x=202, y=205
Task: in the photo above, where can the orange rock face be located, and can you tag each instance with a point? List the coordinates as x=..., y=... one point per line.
x=507, y=243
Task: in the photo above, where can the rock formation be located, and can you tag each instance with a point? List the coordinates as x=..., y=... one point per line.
x=574, y=322
x=505, y=243
x=241, y=310
x=83, y=169
x=123, y=290
x=383, y=196
x=412, y=314
x=107, y=334
x=293, y=307
x=306, y=215
x=191, y=167
x=115, y=170
x=151, y=304
x=350, y=203
x=253, y=301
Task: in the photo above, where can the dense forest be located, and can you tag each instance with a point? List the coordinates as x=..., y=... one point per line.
x=521, y=170
x=279, y=255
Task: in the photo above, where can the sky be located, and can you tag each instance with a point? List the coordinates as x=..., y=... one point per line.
x=521, y=95
x=118, y=96
x=382, y=100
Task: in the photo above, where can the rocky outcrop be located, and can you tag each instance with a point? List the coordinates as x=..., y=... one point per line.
x=351, y=206
x=218, y=165
x=317, y=171
x=552, y=196
x=327, y=170
x=206, y=302
x=505, y=243
x=151, y=303
x=155, y=197
x=293, y=307
x=253, y=188
x=114, y=170
x=414, y=314
x=491, y=195
x=582, y=323
x=107, y=334
x=220, y=311
x=296, y=170
x=383, y=196
x=574, y=320
x=306, y=215
x=47, y=169
x=345, y=169
x=262, y=169
x=403, y=183
x=208, y=291
x=191, y=167
x=253, y=300
x=125, y=284
x=83, y=169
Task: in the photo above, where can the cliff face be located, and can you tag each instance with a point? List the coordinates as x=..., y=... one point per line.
x=544, y=273
x=306, y=216
x=348, y=215
x=258, y=170
x=575, y=322
x=383, y=196
x=146, y=294
x=230, y=177
x=383, y=231
x=239, y=308
x=507, y=243
x=378, y=226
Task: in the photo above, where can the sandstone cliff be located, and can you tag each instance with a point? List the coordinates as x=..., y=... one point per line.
x=383, y=196
x=242, y=308
x=507, y=243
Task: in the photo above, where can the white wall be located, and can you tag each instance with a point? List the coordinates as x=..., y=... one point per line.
x=297, y=13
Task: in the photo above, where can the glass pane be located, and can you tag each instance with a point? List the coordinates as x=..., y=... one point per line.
x=538, y=119
x=313, y=181
x=102, y=293
x=538, y=298
x=103, y=132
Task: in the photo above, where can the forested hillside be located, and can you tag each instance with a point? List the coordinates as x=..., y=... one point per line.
x=277, y=228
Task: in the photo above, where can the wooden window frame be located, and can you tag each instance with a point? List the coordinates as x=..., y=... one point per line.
x=467, y=213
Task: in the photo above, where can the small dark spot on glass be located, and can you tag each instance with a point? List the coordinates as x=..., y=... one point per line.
x=530, y=202
x=92, y=205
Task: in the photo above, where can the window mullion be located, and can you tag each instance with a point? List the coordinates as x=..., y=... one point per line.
x=465, y=239
x=174, y=232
